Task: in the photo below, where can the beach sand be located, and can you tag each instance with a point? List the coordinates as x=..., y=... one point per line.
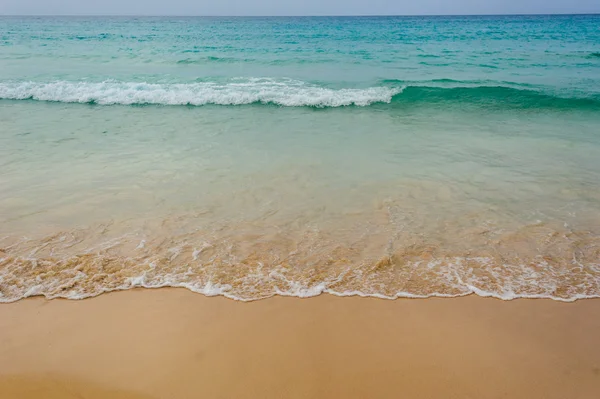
x=172, y=343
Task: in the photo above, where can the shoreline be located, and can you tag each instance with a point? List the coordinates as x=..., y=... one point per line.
x=313, y=293
x=173, y=343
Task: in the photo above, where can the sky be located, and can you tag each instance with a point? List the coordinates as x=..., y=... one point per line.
x=295, y=7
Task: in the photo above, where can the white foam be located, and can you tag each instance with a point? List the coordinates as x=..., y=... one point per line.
x=455, y=274
x=211, y=289
x=286, y=92
x=197, y=251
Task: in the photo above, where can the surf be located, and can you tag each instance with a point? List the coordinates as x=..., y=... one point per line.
x=294, y=93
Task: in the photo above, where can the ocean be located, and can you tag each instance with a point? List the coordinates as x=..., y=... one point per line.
x=250, y=157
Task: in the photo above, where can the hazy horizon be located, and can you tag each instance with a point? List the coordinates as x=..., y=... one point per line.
x=264, y=8
x=296, y=15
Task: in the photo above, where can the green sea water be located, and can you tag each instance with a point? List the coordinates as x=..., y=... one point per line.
x=249, y=157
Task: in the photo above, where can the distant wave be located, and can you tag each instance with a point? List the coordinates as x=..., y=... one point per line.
x=209, y=59
x=293, y=93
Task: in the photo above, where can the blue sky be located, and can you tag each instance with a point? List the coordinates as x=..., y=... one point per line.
x=296, y=7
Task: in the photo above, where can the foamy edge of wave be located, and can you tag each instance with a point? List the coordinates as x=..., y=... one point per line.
x=212, y=290
x=296, y=289
x=289, y=93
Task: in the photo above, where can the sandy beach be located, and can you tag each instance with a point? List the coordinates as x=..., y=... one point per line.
x=171, y=343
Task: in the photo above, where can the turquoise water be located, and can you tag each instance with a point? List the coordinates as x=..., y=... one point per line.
x=248, y=157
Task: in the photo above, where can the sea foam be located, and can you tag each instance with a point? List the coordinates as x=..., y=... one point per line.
x=294, y=93
x=289, y=93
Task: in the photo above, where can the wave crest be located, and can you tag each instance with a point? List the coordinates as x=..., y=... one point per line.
x=294, y=93
x=289, y=93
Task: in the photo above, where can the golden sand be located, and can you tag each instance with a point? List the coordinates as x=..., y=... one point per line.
x=171, y=343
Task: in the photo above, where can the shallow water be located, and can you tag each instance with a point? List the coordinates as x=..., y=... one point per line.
x=294, y=156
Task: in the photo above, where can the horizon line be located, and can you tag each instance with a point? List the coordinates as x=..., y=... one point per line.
x=302, y=16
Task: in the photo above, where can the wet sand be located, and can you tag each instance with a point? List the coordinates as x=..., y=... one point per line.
x=171, y=343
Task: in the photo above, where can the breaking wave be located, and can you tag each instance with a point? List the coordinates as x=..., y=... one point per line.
x=293, y=93
x=287, y=93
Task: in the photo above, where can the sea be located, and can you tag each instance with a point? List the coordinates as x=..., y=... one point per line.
x=383, y=157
